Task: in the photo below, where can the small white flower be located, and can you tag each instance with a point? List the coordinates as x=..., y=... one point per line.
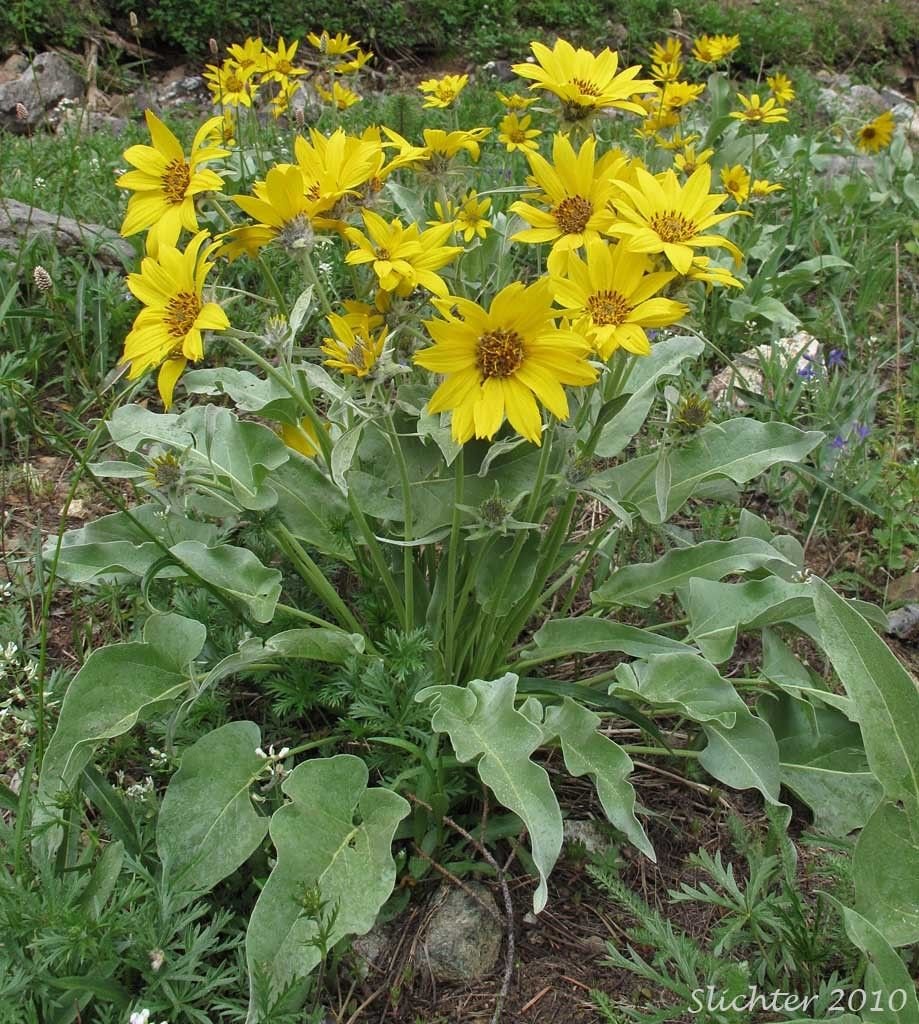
x=157, y=959
x=141, y=1017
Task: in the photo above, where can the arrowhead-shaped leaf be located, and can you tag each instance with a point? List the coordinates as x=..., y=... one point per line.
x=587, y=752
x=559, y=638
x=207, y=824
x=235, y=571
x=482, y=723
x=886, y=974
x=335, y=835
x=687, y=684
x=744, y=756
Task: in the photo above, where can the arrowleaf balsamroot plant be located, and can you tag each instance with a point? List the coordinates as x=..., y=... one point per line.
x=404, y=368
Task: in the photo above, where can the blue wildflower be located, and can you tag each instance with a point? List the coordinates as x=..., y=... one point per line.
x=836, y=358
x=863, y=430
x=838, y=442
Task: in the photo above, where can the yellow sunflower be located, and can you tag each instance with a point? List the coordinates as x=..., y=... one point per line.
x=877, y=134
x=469, y=218
x=229, y=84
x=702, y=269
x=576, y=193
x=763, y=187
x=736, y=182
x=780, y=86
x=583, y=81
x=498, y=362
x=337, y=45
x=513, y=101
x=278, y=64
x=165, y=183
x=442, y=92
x=353, y=350
x=677, y=95
x=516, y=134
x=758, y=112
x=340, y=96
x=167, y=331
x=249, y=54
x=658, y=215
x=336, y=166
x=712, y=49
x=667, y=71
x=402, y=259
x=668, y=52
x=609, y=298
x=689, y=159
x=446, y=145
x=281, y=211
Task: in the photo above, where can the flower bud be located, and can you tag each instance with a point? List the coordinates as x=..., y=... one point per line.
x=212, y=46
x=132, y=21
x=42, y=279
x=22, y=112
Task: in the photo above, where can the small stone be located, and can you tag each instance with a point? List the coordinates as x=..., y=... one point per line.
x=904, y=622
x=462, y=939
x=595, y=839
x=38, y=90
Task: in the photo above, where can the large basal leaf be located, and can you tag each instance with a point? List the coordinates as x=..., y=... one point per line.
x=236, y=572
x=315, y=643
x=118, y=547
x=886, y=974
x=249, y=392
x=313, y=508
x=744, y=756
x=116, y=687
x=886, y=872
x=559, y=638
x=822, y=761
x=665, y=360
x=641, y=584
x=587, y=752
x=683, y=683
x=482, y=723
x=739, y=449
x=781, y=667
x=884, y=696
x=207, y=824
x=717, y=611
x=335, y=836
x=213, y=441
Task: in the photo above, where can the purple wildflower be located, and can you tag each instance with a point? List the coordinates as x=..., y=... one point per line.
x=838, y=442
x=863, y=430
x=806, y=372
x=836, y=358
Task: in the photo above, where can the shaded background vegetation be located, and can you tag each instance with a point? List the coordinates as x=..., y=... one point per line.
x=817, y=32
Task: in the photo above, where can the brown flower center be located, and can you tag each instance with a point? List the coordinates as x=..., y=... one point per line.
x=572, y=214
x=313, y=192
x=234, y=83
x=517, y=135
x=869, y=132
x=499, y=353
x=383, y=254
x=608, y=308
x=672, y=226
x=584, y=87
x=176, y=178
x=181, y=312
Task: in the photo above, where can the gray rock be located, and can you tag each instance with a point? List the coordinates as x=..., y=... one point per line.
x=39, y=89
x=904, y=622
x=590, y=834
x=370, y=949
x=13, y=67
x=499, y=69
x=70, y=116
x=19, y=223
x=462, y=939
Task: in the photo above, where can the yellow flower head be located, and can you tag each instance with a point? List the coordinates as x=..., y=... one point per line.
x=498, y=362
x=446, y=145
x=281, y=210
x=402, y=259
x=712, y=49
x=513, y=101
x=676, y=141
x=280, y=102
x=689, y=159
x=667, y=71
x=736, y=182
x=609, y=297
x=516, y=134
x=247, y=55
x=336, y=45
x=353, y=350
x=336, y=166
x=576, y=191
x=442, y=92
x=340, y=96
x=780, y=86
x=668, y=52
x=877, y=134
x=222, y=130
x=278, y=64
x=762, y=187
x=583, y=81
x=165, y=182
x=757, y=112
x=469, y=218
x=702, y=269
x=230, y=84
x=680, y=94
x=168, y=330
x=658, y=215
x=349, y=67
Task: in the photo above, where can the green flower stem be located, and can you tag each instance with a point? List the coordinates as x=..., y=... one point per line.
x=450, y=608
x=309, y=272
x=313, y=576
x=298, y=613
x=408, y=561
x=660, y=751
x=582, y=569
x=376, y=556
x=494, y=648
